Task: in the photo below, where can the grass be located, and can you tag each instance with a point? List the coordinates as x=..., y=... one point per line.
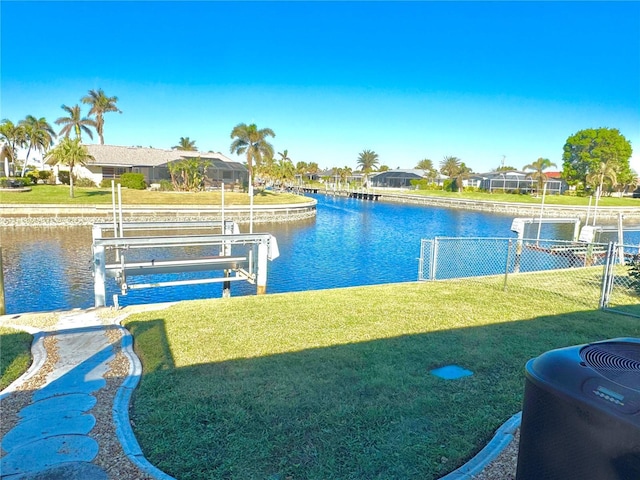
x=529, y=199
x=59, y=194
x=336, y=384
x=15, y=355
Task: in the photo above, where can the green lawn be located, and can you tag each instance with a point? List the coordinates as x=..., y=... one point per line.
x=15, y=354
x=336, y=384
x=59, y=194
x=517, y=198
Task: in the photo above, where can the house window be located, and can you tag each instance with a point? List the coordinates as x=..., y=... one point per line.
x=113, y=172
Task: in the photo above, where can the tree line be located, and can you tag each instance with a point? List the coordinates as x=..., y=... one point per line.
x=596, y=159
x=36, y=134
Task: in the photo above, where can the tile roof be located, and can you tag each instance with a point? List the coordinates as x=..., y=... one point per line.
x=118, y=156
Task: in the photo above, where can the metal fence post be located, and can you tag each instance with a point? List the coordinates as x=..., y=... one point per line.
x=434, y=259
x=421, y=260
x=261, y=273
x=607, y=276
x=506, y=267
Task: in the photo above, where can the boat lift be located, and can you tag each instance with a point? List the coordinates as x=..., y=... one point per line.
x=251, y=266
x=518, y=226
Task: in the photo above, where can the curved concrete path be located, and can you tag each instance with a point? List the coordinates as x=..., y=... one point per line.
x=51, y=439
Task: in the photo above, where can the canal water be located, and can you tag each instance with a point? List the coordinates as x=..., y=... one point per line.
x=350, y=242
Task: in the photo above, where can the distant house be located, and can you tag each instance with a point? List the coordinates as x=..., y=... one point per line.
x=398, y=178
x=111, y=161
x=516, y=181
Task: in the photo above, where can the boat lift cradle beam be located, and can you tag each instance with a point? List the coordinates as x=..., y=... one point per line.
x=188, y=225
x=517, y=225
x=266, y=245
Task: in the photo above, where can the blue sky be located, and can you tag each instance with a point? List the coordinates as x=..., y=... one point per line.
x=408, y=80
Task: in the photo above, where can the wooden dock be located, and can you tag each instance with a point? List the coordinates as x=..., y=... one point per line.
x=365, y=196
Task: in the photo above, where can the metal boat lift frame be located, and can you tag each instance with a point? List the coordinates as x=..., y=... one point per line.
x=251, y=268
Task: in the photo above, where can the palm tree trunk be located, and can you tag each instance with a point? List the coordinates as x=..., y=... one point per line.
x=99, y=128
x=250, y=169
x=26, y=159
x=71, y=181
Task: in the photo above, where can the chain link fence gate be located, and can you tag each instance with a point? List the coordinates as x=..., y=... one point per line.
x=598, y=275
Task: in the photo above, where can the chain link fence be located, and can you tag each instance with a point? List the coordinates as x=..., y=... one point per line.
x=598, y=275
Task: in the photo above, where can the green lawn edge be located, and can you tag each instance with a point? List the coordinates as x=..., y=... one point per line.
x=15, y=354
x=59, y=194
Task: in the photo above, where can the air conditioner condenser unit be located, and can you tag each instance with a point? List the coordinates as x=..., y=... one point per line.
x=581, y=413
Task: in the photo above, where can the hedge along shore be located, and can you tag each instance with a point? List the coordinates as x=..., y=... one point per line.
x=69, y=216
x=528, y=210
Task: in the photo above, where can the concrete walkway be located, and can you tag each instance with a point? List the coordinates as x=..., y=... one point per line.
x=52, y=438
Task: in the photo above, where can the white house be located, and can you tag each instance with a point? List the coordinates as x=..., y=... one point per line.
x=111, y=161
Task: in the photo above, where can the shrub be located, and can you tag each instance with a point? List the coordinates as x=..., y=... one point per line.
x=133, y=180
x=45, y=175
x=84, y=182
x=166, y=185
x=421, y=184
x=448, y=185
x=33, y=176
x=105, y=183
x=63, y=176
x=6, y=182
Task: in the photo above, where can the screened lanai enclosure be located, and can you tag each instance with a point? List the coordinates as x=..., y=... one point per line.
x=395, y=178
x=218, y=172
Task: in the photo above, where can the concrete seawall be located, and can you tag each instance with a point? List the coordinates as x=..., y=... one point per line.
x=608, y=214
x=67, y=215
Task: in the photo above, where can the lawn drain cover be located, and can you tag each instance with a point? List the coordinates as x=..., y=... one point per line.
x=451, y=372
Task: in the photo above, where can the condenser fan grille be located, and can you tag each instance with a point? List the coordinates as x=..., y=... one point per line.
x=619, y=362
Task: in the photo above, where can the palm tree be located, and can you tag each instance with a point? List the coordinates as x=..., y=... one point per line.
x=313, y=168
x=285, y=168
x=5, y=157
x=100, y=104
x=286, y=171
x=284, y=156
x=605, y=171
x=426, y=165
x=251, y=141
x=69, y=152
x=343, y=174
x=453, y=168
x=302, y=167
x=75, y=122
x=367, y=161
x=38, y=135
x=539, y=166
x=187, y=144
x=13, y=136
x=632, y=183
